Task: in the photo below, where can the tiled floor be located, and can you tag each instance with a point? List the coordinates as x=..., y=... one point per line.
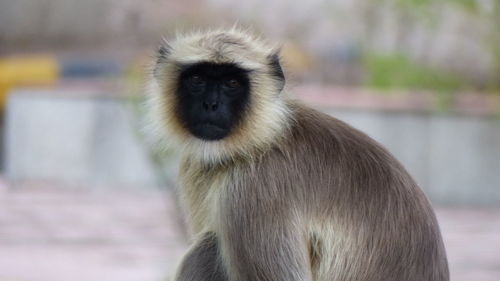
x=60, y=235
x=54, y=235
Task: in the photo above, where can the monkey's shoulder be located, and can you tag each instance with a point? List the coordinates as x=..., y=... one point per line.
x=326, y=146
x=321, y=133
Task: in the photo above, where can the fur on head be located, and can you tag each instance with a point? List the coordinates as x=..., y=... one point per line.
x=266, y=115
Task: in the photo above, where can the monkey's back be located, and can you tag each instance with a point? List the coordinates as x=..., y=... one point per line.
x=361, y=214
x=366, y=217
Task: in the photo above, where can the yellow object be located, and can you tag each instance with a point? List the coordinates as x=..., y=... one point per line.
x=26, y=71
x=295, y=58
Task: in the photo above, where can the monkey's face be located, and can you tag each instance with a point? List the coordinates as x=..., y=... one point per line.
x=217, y=94
x=212, y=98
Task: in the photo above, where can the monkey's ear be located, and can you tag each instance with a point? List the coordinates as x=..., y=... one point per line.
x=163, y=52
x=161, y=56
x=276, y=70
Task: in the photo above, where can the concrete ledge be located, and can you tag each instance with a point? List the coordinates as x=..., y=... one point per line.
x=400, y=101
x=90, y=140
x=454, y=158
x=83, y=140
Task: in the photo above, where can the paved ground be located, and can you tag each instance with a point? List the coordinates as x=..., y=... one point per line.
x=54, y=235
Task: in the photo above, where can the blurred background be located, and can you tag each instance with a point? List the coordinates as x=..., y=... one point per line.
x=83, y=197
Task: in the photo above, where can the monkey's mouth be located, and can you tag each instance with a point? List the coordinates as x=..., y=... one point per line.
x=209, y=131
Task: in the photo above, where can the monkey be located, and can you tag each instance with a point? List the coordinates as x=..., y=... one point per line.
x=273, y=189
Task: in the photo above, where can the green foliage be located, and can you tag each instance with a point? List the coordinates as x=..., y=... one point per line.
x=468, y=5
x=397, y=71
x=414, y=3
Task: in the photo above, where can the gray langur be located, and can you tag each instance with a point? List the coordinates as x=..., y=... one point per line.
x=275, y=190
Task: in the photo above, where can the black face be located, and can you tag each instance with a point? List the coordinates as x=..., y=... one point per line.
x=212, y=98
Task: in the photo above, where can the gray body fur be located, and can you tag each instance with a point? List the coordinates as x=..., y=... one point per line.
x=325, y=203
x=292, y=194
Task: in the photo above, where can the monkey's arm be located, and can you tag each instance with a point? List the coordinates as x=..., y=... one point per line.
x=202, y=262
x=260, y=240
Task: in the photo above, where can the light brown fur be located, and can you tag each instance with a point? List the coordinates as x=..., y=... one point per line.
x=293, y=194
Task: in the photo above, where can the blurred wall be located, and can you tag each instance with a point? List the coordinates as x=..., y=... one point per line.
x=90, y=140
x=444, y=34
x=74, y=138
x=453, y=157
x=27, y=24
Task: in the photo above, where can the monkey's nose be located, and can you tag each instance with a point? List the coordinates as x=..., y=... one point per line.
x=210, y=106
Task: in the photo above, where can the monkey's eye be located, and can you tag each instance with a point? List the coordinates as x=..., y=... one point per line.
x=196, y=80
x=232, y=84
